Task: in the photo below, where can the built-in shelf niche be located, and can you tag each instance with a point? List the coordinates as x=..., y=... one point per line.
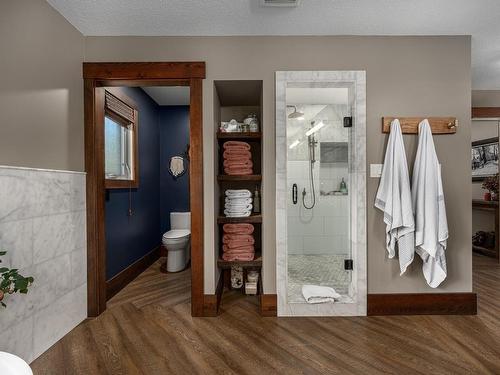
x=235, y=99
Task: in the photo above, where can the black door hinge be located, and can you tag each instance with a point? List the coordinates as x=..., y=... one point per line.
x=348, y=264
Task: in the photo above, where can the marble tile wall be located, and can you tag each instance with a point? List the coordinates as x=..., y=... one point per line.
x=43, y=229
x=325, y=228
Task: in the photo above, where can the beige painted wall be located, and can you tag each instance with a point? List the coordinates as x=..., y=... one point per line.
x=41, y=87
x=406, y=76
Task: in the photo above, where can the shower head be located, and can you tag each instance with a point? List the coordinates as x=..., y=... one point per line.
x=295, y=114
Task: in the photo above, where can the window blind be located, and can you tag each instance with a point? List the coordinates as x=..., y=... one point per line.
x=117, y=106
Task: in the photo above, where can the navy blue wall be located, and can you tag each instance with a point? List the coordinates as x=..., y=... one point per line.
x=130, y=238
x=174, y=136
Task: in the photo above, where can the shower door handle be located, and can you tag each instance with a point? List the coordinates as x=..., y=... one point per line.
x=294, y=193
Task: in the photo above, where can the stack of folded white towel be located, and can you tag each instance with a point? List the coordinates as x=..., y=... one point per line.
x=238, y=203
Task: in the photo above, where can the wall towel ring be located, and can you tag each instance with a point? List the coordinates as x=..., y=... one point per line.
x=177, y=166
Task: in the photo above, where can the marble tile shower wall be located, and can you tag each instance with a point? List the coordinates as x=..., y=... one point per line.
x=43, y=229
x=324, y=230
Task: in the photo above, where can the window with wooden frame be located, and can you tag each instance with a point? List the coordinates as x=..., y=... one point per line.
x=120, y=141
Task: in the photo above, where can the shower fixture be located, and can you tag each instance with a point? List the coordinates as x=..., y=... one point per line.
x=315, y=128
x=295, y=114
x=311, y=142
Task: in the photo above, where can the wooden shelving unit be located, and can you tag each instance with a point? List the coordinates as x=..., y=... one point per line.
x=235, y=100
x=252, y=219
x=252, y=177
x=248, y=264
x=239, y=136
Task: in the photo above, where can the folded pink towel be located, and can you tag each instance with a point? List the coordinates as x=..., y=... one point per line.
x=236, y=145
x=241, y=257
x=248, y=238
x=238, y=155
x=238, y=171
x=242, y=249
x=242, y=228
x=241, y=163
x=245, y=238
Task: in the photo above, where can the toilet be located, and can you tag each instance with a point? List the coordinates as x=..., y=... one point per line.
x=177, y=241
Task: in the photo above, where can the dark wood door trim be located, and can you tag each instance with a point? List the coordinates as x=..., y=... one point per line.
x=97, y=75
x=268, y=304
x=144, y=70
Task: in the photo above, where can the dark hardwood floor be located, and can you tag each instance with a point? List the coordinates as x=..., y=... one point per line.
x=148, y=329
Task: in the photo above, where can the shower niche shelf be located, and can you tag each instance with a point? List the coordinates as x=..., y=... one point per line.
x=235, y=99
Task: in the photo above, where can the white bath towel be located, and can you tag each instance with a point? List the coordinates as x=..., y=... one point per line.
x=238, y=193
x=319, y=294
x=238, y=207
x=431, y=226
x=394, y=199
x=237, y=213
x=238, y=201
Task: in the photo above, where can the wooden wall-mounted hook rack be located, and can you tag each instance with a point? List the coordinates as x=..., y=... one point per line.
x=409, y=125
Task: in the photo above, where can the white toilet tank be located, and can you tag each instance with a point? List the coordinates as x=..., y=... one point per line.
x=180, y=220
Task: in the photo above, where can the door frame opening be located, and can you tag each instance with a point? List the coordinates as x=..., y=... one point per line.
x=138, y=74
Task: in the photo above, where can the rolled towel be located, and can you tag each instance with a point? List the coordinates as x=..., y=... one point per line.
x=237, y=214
x=319, y=294
x=236, y=145
x=241, y=257
x=238, y=193
x=243, y=228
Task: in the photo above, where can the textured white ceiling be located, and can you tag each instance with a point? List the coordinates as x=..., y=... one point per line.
x=168, y=95
x=479, y=18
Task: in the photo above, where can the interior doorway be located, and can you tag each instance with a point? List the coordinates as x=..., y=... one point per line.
x=96, y=77
x=484, y=164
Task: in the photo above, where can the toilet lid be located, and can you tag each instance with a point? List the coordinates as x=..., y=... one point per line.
x=176, y=233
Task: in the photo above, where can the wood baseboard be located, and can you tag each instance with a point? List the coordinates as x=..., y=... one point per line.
x=268, y=305
x=211, y=302
x=422, y=304
x=119, y=281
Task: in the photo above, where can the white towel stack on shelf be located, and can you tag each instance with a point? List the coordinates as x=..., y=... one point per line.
x=238, y=203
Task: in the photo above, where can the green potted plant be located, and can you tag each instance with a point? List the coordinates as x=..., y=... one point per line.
x=12, y=282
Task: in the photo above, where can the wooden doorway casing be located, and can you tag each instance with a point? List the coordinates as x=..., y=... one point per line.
x=134, y=74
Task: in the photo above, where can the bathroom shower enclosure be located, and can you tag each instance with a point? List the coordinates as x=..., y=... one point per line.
x=321, y=190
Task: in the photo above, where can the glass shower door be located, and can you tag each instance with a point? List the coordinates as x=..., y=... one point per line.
x=318, y=135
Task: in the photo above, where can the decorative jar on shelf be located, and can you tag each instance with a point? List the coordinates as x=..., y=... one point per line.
x=487, y=196
x=252, y=122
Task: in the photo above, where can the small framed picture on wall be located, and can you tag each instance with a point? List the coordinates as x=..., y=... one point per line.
x=484, y=158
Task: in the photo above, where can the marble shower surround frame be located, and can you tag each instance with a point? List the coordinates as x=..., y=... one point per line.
x=356, y=80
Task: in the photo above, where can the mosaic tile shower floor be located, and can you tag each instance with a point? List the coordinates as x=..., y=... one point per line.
x=325, y=270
